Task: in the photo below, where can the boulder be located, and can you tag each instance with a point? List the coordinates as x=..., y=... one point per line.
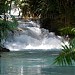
x=2, y=49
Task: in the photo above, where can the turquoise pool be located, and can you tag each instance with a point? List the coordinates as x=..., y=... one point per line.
x=32, y=63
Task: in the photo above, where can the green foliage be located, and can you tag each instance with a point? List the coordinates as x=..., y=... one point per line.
x=6, y=26
x=60, y=12
x=67, y=55
x=3, y=29
x=4, y=6
x=23, y=5
x=73, y=43
x=14, y=21
x=67, y=31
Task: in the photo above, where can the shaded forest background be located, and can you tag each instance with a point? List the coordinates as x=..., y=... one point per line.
x=54, y=14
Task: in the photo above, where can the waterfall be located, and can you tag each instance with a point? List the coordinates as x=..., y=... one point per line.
x=30, y=36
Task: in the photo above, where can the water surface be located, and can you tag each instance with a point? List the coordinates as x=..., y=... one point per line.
x=32, y=63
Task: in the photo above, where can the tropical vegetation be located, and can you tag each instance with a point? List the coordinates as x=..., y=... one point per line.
x=6, y=26
x=67, y=55
x=54, y=14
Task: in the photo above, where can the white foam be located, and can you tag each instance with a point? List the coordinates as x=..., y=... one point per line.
x=34, y=38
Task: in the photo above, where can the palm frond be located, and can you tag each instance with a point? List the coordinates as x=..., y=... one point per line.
x=67, y=55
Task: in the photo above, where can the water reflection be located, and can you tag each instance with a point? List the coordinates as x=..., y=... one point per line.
x=33, y=65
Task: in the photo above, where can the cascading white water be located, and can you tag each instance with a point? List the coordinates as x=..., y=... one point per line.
x=30, y=36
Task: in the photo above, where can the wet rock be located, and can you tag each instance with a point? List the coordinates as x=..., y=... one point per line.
x=4, y=49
